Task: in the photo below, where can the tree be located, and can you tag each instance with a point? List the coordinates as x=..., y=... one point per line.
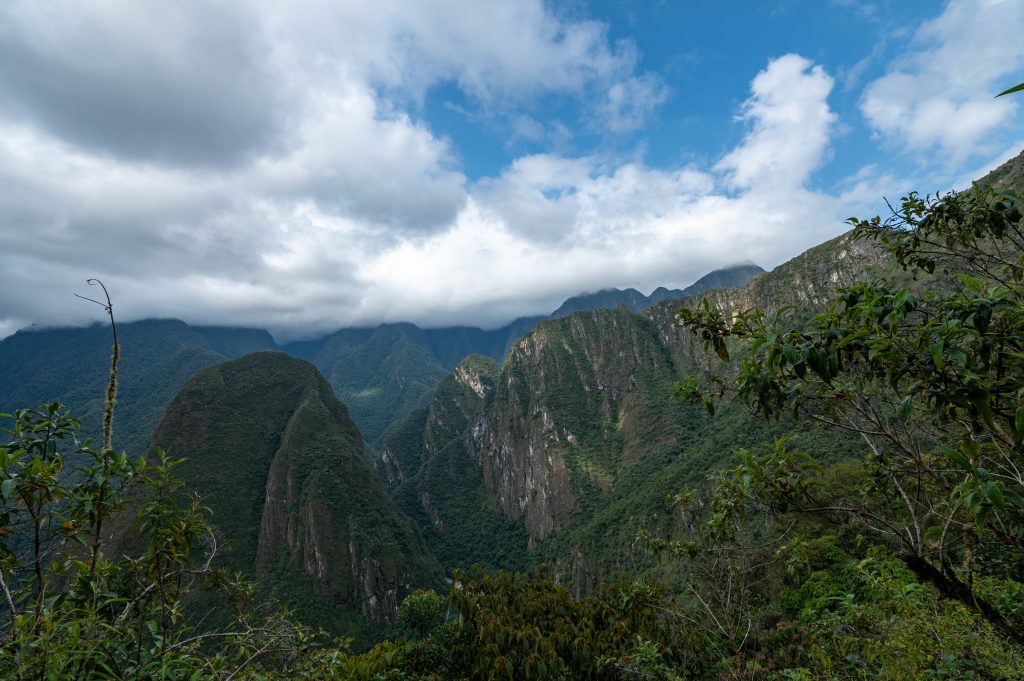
x=73, y=611
x=929, y=379
x=422, y=612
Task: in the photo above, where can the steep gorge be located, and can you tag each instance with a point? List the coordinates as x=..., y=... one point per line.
x=576, y=439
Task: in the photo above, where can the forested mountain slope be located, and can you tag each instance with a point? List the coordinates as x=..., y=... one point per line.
x=577, y=438
x=276, y=458
x=381, y=373
x=70, y=365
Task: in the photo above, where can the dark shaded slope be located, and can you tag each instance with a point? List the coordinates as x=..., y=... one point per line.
x=452, y=344
x=438, y=482
x=735, y=276
x=278, y=461
x=233, y=342
x=608, y=298
x=382, y=374
x=70, y=365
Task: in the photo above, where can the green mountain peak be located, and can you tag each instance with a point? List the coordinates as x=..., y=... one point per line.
x=279, y=462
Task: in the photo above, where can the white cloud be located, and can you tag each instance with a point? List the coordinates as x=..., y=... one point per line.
x=939, y=94
x=360, y=217
x=868, y=10
x=354, y=160
x=9, y=325
x=790, y=126
x=335, y=204
x=548, y=198
x=630, y=102
x=176, y=82
x=225, y=161
x=493, y=49
x=221, y=83
x=550, y=226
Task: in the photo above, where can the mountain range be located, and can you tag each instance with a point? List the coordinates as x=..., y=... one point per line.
x=345, y=471
x=569, y=447
x=380, y=373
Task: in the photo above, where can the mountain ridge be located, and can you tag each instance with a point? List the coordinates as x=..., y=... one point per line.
x=733, y=276
x=381, y=373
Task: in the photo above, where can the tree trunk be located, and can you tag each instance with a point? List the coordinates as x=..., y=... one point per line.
x=950, y=586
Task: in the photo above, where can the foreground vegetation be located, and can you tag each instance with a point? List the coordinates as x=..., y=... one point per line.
x=906, y=562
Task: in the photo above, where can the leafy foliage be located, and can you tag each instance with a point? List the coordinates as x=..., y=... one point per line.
x=932, y=383
x=74, y=613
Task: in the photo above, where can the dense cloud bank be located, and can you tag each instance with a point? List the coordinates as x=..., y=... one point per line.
x=226, y=164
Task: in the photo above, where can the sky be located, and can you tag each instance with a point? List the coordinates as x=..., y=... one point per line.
x=314, y=164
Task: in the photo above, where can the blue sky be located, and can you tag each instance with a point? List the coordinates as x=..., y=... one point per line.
x=306, y=165
x=705, y=54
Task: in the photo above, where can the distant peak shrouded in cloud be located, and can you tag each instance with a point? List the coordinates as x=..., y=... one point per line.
x=289, y=165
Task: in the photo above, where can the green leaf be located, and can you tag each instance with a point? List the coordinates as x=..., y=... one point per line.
x=709, y=404
x=1015, y=88
x=7, y=487
x=980, y=401
x=970, y=282
x=973, y=502
x=994, y=492
x=720, y=348
x=935, y=349
x=905, y=407
x=958, y=458
x=1014, y=498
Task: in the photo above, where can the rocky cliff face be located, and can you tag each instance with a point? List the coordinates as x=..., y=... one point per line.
x=577, y=403
x=564, y=420
x=279, y=462
x=437, y=476
x=579, y=424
